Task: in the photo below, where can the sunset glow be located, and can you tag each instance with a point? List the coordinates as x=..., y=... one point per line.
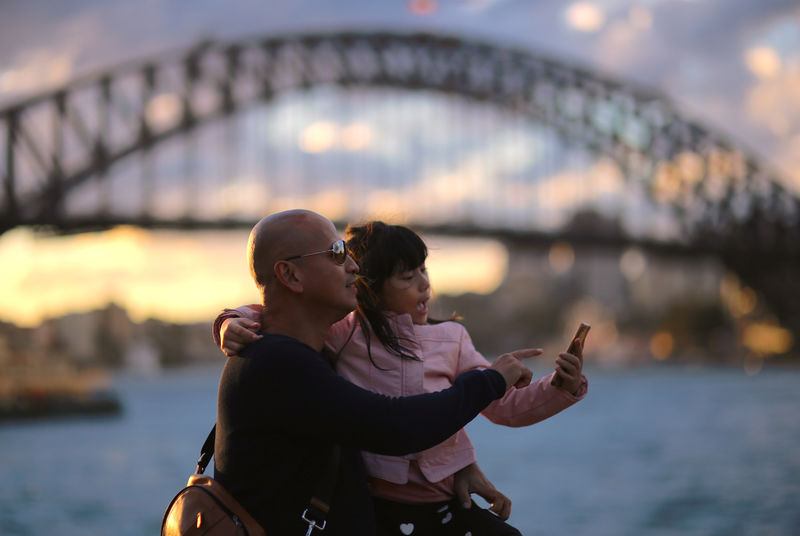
x=178, y=277
x=167, y=275
x=466, y=265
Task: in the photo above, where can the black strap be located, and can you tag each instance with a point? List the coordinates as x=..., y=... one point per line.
x=206, y=451
x=320, y=502
x=319, y=505
x=326, y=484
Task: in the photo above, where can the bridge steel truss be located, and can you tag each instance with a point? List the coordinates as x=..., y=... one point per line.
x=728, y=203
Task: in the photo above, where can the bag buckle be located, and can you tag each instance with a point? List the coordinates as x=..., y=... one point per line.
x=312, y=523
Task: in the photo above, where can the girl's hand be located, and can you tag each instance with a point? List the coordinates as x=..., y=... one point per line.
x=472, y=480
x=570, y=367
x=236, y=333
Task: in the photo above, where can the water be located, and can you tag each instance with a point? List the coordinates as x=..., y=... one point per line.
x=703, y=452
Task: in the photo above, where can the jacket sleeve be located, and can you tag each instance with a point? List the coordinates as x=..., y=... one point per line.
x=252, y=312
x=305, y=396
x=534, y=403
x=520, y=407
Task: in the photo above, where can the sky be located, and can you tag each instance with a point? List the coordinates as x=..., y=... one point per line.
x=732, y=65
x=178, y=277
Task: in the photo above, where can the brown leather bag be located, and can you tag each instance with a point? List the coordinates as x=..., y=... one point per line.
x=205, y=508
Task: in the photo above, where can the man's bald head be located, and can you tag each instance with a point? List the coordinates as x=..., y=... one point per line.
x=279, y=236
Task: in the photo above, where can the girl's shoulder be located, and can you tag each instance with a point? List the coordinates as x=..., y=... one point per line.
x=342, y=329
x=449, y=329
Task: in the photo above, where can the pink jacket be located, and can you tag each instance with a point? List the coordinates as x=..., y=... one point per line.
x=445, y=351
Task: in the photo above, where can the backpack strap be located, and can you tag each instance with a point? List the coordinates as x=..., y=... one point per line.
x=206, y=451
x=319, y=505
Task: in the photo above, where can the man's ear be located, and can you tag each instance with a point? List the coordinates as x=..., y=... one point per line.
x=287, y=275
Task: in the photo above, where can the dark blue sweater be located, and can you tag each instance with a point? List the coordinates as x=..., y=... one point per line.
x=282, y=407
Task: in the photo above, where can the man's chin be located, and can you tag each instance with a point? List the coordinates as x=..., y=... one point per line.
x=346, y=310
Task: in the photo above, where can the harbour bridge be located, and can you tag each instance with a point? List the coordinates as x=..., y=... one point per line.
x=448, y=134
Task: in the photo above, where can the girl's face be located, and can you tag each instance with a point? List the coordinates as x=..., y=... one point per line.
x=408, y=292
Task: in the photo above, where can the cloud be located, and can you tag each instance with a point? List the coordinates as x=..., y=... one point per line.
x=35, y=70
x=774, y=104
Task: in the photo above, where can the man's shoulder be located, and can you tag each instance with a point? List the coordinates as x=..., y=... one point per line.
x=275, y=357
x=276, y=345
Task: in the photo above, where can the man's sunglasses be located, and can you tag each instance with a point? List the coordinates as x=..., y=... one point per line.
x=338, y=252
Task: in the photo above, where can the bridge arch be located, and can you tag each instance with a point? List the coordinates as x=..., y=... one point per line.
x=711, y=183
x=725, y=200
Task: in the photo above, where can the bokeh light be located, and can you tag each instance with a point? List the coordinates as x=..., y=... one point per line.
x=753, y=364
x=740, y=301
x=662, y=344
x=561, y=257
x=585, y=16
x=318, y=137
x=163, y=111
x=767, y=339
x=356, y=136
x=632, y=263
x=763, y=61
x=422, y=7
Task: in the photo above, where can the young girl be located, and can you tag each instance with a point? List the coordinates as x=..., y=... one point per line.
x=390, y=346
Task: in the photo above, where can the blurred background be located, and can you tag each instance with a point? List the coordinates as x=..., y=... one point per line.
x=631, y=164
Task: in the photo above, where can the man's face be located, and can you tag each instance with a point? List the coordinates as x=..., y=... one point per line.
x=327, y=283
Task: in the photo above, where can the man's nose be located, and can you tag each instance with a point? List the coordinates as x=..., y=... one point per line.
x=351, y=265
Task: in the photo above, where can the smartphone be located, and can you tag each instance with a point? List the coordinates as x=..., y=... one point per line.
x=583, y=330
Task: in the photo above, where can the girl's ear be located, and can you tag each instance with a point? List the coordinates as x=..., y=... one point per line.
x=287, y=275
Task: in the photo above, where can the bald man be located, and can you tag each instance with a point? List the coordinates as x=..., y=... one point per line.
x=281, y=406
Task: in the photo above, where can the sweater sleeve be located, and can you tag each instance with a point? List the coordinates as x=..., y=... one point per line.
x=520, y=407
x=252, y=312
x=306, y=397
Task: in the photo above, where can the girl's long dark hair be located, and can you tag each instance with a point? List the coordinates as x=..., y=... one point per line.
x=382, y=250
